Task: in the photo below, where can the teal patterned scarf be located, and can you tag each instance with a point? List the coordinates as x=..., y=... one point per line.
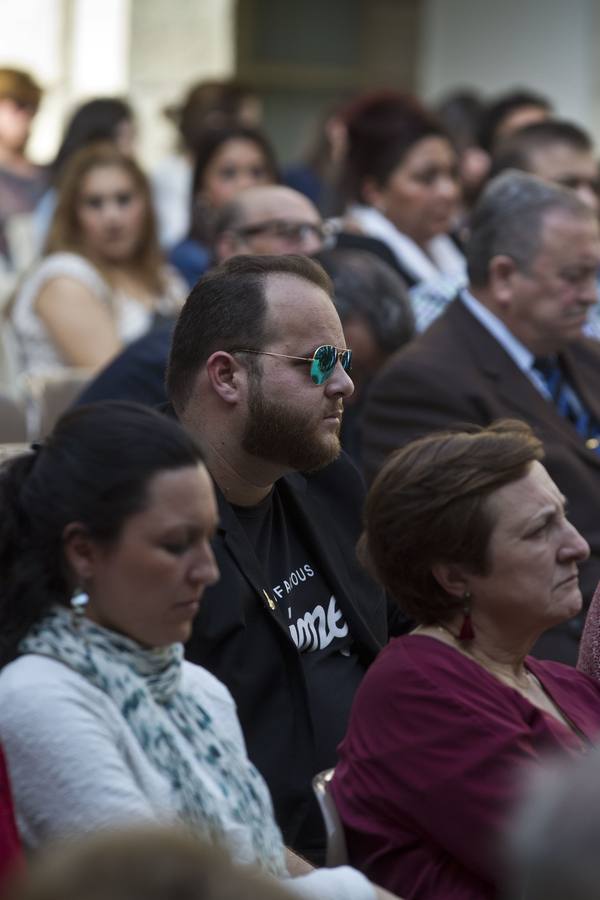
x=211, y=778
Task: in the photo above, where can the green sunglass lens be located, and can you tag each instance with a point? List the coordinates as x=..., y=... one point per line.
x=325, y=360
x=323, y=363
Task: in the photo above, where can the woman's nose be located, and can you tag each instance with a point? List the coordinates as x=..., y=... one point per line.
x=575, y=547
x=448, y=187
x=111, y=211
x=245, y=180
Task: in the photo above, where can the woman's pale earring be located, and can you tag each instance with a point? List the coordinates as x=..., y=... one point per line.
x=466, y=632
x=78, y=603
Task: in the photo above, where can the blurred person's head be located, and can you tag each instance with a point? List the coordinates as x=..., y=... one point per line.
x=328, y=146
x=460, y=112
x=556, y=151
x=533, y=254
x=552, y=842
x=400, y=161
x=20, y=97
x=374, y=308
x=227, y=161
x=145, y=862
x=101, y=119
x=230, y=159
x=461, y=513
x=214, y=104
x=116, y=502
x=104, y=211
x=509, y=112
x=267, y=219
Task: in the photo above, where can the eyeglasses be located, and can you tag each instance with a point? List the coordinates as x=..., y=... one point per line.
x=284, y=230
x=323, y=361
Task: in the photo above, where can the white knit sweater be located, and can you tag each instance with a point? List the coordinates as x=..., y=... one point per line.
x=75, y=765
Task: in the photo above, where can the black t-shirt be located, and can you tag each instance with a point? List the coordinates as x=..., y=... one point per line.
x=316, y=625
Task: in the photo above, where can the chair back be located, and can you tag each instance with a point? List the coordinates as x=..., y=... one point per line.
x=13, y=425
x=57, y=394
x=48, y=395
x=337, y=853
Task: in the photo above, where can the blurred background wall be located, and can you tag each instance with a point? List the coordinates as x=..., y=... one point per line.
x=301, y=56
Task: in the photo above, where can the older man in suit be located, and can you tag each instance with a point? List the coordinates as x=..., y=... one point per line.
x=511, y=346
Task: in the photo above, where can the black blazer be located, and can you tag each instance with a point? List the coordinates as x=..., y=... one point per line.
x=243, y=638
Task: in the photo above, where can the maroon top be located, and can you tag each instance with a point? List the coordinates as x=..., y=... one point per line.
x=10, y=845
x=430, y=765
x=589, y=648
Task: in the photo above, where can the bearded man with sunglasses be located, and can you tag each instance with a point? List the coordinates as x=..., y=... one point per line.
x=258, y=373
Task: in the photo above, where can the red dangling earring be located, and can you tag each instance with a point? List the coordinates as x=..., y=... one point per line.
x=466, y=631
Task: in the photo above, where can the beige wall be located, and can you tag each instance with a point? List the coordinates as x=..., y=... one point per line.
x=548, y=45
x=174, y=43
x=152, y=49
x=146, y=49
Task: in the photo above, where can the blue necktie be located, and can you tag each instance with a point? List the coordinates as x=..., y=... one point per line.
x=566, y=400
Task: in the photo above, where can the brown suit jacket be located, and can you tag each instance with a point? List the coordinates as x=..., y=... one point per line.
x=457, y=372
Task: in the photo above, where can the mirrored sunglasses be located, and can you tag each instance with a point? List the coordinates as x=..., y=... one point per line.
x=322, y=362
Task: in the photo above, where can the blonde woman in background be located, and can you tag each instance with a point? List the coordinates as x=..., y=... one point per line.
x=103, y=280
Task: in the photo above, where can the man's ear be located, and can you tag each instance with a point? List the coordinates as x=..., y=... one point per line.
x=452, y=578
x=226, y=376
x=79, y=550
x=502, y=272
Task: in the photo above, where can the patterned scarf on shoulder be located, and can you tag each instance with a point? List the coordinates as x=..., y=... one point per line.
x=213, y=783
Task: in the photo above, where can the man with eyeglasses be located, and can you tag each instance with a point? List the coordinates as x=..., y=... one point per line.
x=258, y=373
x=269, y=219
x=563, y=153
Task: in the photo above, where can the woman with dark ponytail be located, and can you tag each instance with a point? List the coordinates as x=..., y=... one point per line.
x=105, y=553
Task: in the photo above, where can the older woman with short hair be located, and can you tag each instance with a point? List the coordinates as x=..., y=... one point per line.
x=468, y=532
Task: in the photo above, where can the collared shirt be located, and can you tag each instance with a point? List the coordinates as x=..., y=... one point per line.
x=518, y=352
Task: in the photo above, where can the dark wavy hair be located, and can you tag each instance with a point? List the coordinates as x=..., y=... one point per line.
x=93, y=121
x=207, y=147
x=94, y=468
x=382, y=127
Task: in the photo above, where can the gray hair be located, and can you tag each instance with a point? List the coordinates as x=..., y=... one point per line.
x=508, y=220
x=553, y=842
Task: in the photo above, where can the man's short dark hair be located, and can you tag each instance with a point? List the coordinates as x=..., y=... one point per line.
x=226, y=310
x=501, y=108
x=508, y=221
x=517, y=151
